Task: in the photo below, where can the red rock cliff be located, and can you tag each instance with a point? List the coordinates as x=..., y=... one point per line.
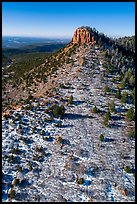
x=82, y=35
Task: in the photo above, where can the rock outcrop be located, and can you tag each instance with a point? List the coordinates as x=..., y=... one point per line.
x=82, y=35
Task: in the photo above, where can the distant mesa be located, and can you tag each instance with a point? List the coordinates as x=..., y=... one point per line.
x=83, y=35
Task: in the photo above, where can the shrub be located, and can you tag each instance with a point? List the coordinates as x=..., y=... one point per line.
x=13, y=151
x=108, y=115
x=124, y=97
x=42, y=132
x=34, y=129
x=11, y=158
x=113, y=79
x=95, y=110
x=118, y=94
x=11, y=193
x=36, y=157
x=131, y=133
x=30, y=166
x=62, y=86
x=130, y=115
x=29, y=98
x=59, y=124
x=106, y=122
x=133, y=95
x=47, y=111
x=59, y=139
x=15, y=182
x=80, y=181
x=58, y=111
x=132, y=81
x=127, y=169
x=101, y=137
x=48, y=138
x=20, y=127
x=70, y=100
x=123, y=84
x=106, y=88
x=19, y=169
x=112, y=106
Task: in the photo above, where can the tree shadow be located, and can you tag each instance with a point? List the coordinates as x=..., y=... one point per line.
x=65, y=126
x=83, y=153
x=78, y=102
x=21, y=196
x=116, y=117
x=16, y=160
x=101, y=112
x=87, y=183
x=4, y=196
x=123, y=110
x=66, y=142
x=7, y=178
x=19, y=152
x=24, y=183
x=48, y=154
x=49, y=139
x=108, y=139
x=114, y=125
x=28, y=141
x=25, y=171
x=73, y=116
x=132, y=170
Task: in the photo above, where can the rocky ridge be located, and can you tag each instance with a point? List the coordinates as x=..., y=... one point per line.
x=79, y=167
x=50, y=159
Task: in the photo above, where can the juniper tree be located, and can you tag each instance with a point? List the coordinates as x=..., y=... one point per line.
x=130, y=115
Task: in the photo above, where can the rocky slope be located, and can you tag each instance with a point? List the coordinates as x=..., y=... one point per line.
x=63, y=159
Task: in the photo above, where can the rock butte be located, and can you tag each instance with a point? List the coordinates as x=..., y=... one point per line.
x=82, y=35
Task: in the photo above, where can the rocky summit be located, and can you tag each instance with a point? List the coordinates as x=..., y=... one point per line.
x=71, y=136
x=83, y=35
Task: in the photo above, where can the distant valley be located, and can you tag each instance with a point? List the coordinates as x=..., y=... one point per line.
x=18, y=42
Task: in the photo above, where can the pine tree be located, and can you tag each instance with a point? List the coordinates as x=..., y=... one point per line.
x=95, y=110
x=123, y=83
x=108, y=115
x=118, y=94
x=130, y=115
x=58, y=111
x=112, y=106
x=124, y=97
x=70, y=100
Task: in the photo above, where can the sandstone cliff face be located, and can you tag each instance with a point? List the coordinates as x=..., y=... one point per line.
x=82, y=35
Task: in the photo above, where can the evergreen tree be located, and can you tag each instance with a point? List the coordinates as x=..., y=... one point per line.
x=106, y=88
x=108, y=115
x=118, y=94
x=123, y=83
x=58, y=111
x=101, y=137
x=95, y=110
x=112, y=106
x=130, y=115
x=70, y=100
x=132, y=81
x=124, y=97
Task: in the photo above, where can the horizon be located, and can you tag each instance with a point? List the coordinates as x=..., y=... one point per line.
x=60, y=38
x=61, y=19
x=42, y=37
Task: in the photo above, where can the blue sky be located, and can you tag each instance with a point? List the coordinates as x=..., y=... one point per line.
x=60, y=19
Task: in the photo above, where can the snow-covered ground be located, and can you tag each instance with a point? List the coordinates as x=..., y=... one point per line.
x=50, y=170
